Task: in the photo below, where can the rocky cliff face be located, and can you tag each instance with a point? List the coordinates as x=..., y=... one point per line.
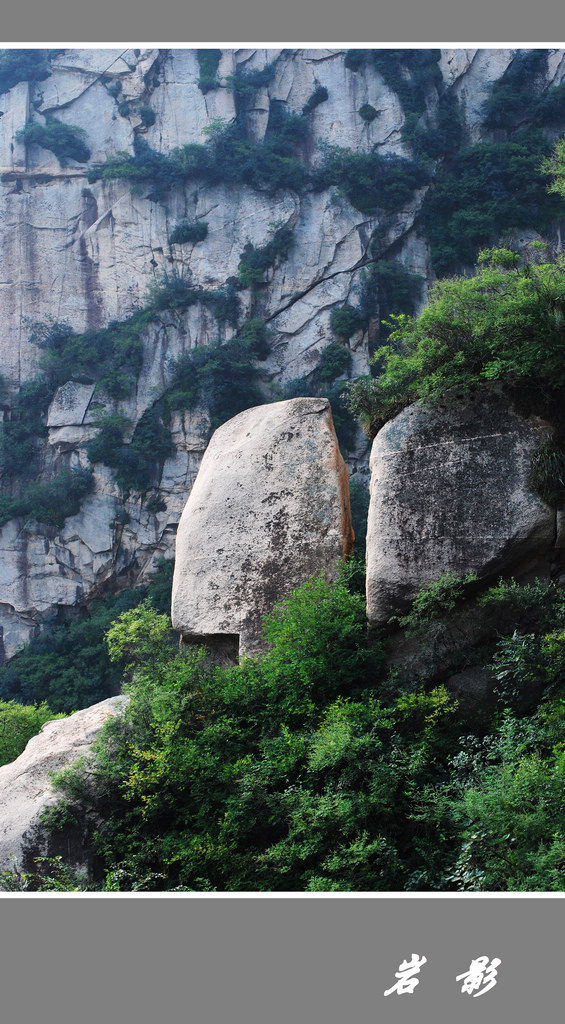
x=84, y=252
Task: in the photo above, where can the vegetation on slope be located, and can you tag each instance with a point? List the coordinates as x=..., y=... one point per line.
x=316, y=768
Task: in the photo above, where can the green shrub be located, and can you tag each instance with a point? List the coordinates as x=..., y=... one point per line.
x=23, y=66
x=136, y=464
x=68, y=665
x=208, y=61
x=319, y=95
x=355, y=59
x=335, y=361
x=367, y=112
x=345, y=321
x=52, y=501
x=547, y=477
x=114, y=88
x=515, y=94
x=227, y=156
x=502, y=325
x=66, y=141
x=224, y=377
x=371, y=182
x=123, y=108
x=18, y=723
x=147, y=115
x=111, y=356
x=387, y=288
x=188, y=231
x=484, y=191
x=245, y=83
x=255, y=262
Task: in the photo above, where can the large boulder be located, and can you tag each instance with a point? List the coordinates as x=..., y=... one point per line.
x=268, y=509
x=450, y=492
x=26, y=791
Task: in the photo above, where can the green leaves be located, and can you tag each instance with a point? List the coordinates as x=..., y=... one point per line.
x=504, y=325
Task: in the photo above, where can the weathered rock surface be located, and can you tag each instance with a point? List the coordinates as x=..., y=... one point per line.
x=25, y=788
x=269, y=508
x=85, y=253
x=450, y=493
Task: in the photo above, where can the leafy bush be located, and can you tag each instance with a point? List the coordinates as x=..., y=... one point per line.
x=208, y=61
x=371, y=182
x=18, y=723
x=138, y=463
x=245, y=83
x=319, y=95
x=222, y=376
x=389, y=289
x=502, y=325
x=514, y=95
x=123, y=108
x=111, y=356
x=114, y=88
x=312, y=769
x=345, y=321
x=20, y=433
x=68, y=665
x=227, y=156
x=547, y=477
x=23, y=66
x=147, y=115
x=52, y=501
x=367, y=112
x=255, y=262
x=66, y=141
x=188, y=231
x=484, y=191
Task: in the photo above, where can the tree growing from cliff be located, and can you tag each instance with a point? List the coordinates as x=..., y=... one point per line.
x=504, y=325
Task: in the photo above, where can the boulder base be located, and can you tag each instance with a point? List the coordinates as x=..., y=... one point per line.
x=268, y=509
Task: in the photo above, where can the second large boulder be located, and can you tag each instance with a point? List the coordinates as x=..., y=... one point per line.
x=451, y=492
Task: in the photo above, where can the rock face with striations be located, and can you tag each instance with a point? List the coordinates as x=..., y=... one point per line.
x=269, y=508
x=450, y=493
x=82, y=249
x=26, y=791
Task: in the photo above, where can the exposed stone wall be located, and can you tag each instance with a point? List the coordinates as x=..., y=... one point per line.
x=85, y=253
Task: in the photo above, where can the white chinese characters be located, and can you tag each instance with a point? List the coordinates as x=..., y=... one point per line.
x=406, y=975
x=481, y=975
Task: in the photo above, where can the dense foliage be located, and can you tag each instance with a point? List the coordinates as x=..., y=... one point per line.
x=484, y=192
x=188, y=231
x=66, y=141
x=255, y=261
x=223, y=376
x=505, y=324
x=316, y=768
x=18, y=723
x=23, y=66
x=67, y=666
x=208, y=61
x=49, y=501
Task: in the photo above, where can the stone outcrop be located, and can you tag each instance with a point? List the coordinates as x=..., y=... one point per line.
x=25, y=787
x=450, y=492
x=268, y=509
x=85, y=253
